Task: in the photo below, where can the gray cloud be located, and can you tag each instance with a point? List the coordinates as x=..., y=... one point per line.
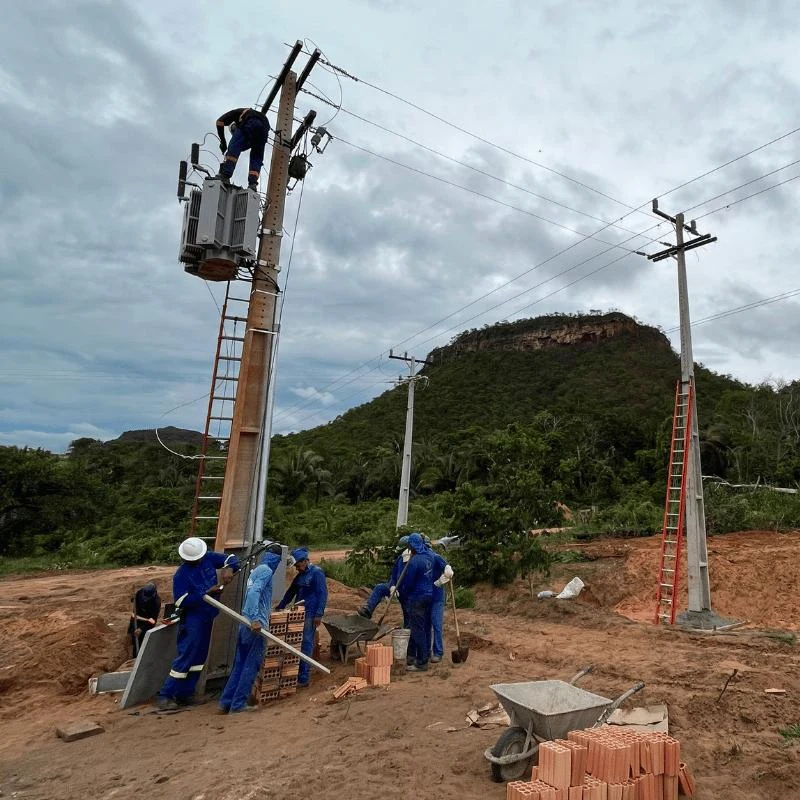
x=102, y=329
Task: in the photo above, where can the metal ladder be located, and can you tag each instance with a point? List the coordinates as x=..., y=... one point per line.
x=219, y=417
x=674, y=506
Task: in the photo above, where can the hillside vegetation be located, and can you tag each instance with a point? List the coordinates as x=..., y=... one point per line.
x=515, y=416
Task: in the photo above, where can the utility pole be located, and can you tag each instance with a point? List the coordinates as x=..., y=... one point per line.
x=255, y=371
x=696, y=546
x=405, y=476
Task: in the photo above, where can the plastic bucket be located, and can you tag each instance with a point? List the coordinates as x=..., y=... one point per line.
x=400, y=639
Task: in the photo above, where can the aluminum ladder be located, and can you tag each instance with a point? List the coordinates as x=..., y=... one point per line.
x=219, y=417
x=672, y=531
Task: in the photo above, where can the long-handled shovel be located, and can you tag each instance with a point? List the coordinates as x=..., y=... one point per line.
x=460, y=655
x=397, y=586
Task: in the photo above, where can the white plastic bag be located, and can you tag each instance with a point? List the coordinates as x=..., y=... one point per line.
x=545, y=594
x=571, y=590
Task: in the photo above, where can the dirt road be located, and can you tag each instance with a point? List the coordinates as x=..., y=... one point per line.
x=54, y=634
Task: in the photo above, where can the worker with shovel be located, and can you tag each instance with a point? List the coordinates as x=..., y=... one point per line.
x=309, y=586
x=249, y=644
x=392, y=587
x=442, y=575
x=194, y=578
x=419, y=593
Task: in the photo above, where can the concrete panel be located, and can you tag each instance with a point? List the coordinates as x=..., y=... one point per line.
x=156, y=655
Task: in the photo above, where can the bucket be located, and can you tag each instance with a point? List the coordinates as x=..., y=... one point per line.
x=400, y=639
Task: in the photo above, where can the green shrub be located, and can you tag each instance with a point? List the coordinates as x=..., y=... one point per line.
x=465, y=597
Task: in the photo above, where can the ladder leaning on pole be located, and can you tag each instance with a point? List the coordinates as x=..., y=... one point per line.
x=216, y=434
x=674, y=506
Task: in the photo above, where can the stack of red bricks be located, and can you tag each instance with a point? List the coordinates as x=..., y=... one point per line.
x=607, y=764
x=376, y=666
x=279, y=670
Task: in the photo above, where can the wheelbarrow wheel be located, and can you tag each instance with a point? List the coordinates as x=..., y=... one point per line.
x=511, y=743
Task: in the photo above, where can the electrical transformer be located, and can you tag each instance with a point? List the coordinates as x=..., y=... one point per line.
x=220, y=230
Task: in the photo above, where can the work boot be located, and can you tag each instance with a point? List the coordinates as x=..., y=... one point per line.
x=435, y=659
x=364, y=612
x=166, y=704
x=192, y=700
x=253, y=187
x=241, y=710
x=418, y=668
x=224, y=178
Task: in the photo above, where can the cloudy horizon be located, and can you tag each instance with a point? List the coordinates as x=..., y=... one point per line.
x=395, y=245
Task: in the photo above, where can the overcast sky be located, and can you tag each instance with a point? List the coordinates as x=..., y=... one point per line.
x=102, y=331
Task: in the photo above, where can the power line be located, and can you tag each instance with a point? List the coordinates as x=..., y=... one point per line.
x=464, y=164
x=748, y=196
x=476, y=136
x=739, y=309
x=333, y=383
x=481, y=194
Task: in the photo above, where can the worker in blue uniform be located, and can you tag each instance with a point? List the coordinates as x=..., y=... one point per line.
x=442, y=575
x=250, y=130
x=419, y=593
x=250, y=643
x=391, y=587
x=310, y=586
x=194, y=578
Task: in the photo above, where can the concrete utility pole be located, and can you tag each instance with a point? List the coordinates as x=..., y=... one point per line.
x=696, y=547
x=255, y=371
x=405, y=476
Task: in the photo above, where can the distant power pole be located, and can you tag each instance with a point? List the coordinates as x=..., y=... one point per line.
x=405, y=476
x=696, y=547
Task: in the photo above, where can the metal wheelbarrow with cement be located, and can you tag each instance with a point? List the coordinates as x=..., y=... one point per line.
x=542, y=711
x=350, y=630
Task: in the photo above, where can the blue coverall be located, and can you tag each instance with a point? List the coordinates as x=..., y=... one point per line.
x=437, y=606
x=419, y=587
x=311, y=586
x=191, y=582
x=249, y=644
x=382, y=590
x=253, y=134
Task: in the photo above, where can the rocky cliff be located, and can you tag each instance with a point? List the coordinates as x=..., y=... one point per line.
x=543, y=333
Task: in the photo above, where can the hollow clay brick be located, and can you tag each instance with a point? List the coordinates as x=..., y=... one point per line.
x=380, y=676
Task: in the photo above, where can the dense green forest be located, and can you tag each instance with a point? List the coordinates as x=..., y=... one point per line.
x=515, y=418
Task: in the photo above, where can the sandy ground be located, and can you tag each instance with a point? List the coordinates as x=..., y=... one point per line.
x=58, y=630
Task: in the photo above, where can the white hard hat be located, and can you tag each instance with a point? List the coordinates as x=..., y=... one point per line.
x=192, y=549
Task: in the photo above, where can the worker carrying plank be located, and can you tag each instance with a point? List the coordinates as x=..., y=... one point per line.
x=310, y=586
x=249, y=644
x=194, y=578
x=250, y=130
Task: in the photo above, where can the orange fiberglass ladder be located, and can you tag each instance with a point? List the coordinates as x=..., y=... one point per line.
x=674, y=507
x=216, y=435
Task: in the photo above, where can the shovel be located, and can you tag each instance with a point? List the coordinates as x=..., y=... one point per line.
x=458, y=656
x=397, y=586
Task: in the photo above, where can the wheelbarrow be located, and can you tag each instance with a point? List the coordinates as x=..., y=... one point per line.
x=542, y=711
x=349, y=631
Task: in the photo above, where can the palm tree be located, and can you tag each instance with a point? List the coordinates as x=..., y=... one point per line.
x=300, y=470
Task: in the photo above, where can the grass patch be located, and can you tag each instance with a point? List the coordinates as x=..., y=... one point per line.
x=465, y=598
x=784, y=637
x=22, y=566
x=791, y=731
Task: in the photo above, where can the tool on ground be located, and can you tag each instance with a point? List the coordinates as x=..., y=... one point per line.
x=459, y=655
x=266, y=634
x=730, y=678
x=397, y=587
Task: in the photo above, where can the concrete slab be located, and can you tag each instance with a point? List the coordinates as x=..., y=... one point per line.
x=73, y=731
x=109, y=682
x=156, y=654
